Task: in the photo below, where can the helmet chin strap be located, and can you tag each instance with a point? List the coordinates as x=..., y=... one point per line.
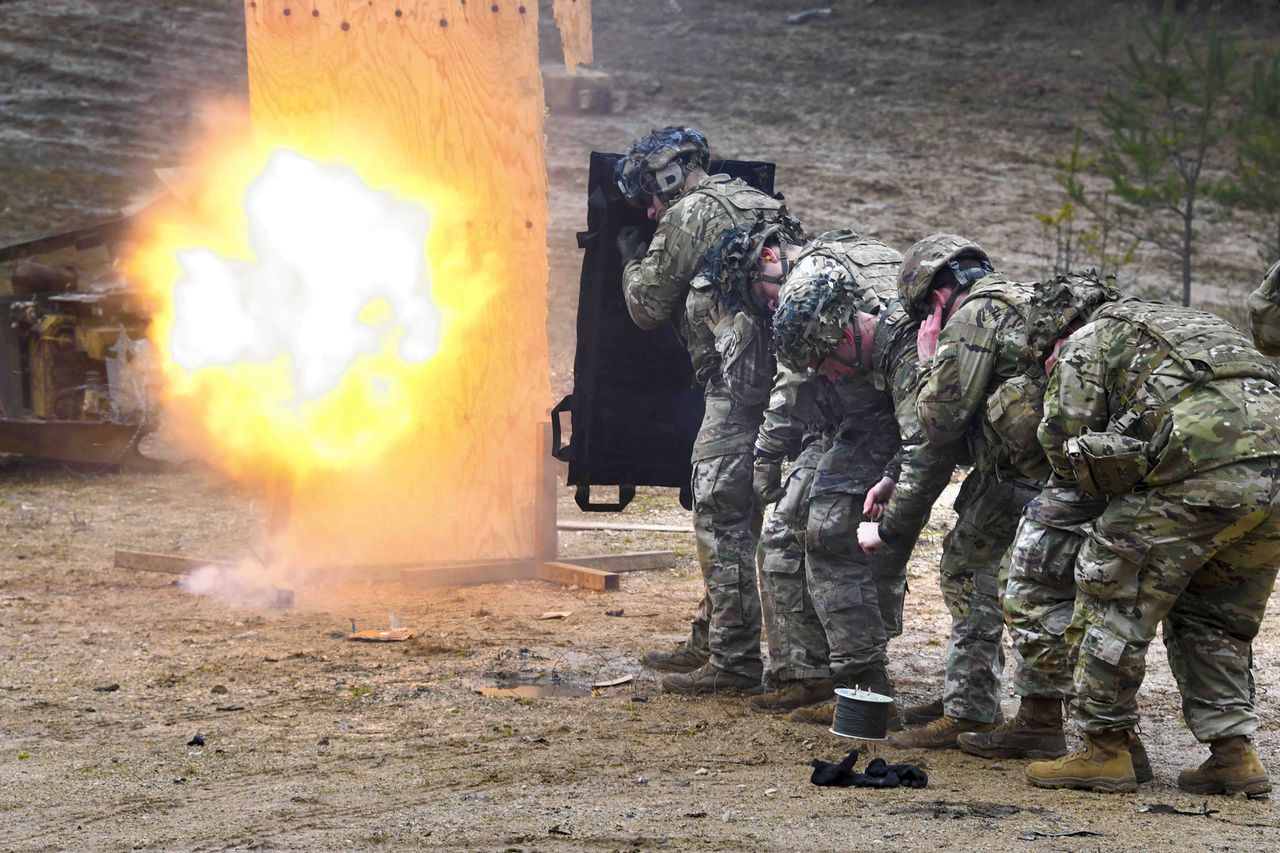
x=783, y=262
x=965, y=279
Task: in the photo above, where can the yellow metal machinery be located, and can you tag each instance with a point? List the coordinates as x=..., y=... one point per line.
x=72, y=356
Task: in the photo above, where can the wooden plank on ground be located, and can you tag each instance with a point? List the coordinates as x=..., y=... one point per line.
x=636, y=561
x=613, y=525
x=169, y=564
x=464, y=573
x=568, y=573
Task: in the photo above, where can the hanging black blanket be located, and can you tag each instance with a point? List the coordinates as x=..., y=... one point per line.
x=633, y=409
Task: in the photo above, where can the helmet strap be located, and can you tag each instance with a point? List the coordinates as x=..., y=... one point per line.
x=965, y=279
x=783, y=262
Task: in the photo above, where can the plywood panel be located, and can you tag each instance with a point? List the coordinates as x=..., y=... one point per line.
x=573, y=17
x=448, y=95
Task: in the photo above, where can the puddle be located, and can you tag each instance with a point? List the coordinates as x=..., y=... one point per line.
x=536, y=691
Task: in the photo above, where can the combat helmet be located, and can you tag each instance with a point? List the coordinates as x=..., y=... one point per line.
x=658, y=164
x=1062, y=305
x=923, y=261
x=1271, y=281
x=732, y=262
x=811, y=317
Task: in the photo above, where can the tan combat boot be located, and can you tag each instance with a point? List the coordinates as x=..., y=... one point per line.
x=821, y=714
x=1141, y=764
x=710, y=678
x=1102, y=764
x=824, y=714
x=1232, y=768
x=918, y=715
x=1036, y=732
x=793, y=694
x=940, y=734
x=682, y=658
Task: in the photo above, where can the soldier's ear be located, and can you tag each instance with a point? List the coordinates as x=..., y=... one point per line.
x=769, y=255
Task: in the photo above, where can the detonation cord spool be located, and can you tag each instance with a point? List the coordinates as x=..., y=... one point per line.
x=861, y=714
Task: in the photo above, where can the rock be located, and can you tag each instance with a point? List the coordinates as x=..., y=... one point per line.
x=107, y=688
x=198, y=740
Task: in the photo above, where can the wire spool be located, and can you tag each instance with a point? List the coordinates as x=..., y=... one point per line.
x=861, y=714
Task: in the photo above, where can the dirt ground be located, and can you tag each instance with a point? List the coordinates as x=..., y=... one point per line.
x=878, y=118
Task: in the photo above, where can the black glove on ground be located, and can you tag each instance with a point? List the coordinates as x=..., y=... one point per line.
x=879, y=774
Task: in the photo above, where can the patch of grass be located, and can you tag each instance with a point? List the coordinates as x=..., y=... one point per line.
x=23, y=756
x=360, y=690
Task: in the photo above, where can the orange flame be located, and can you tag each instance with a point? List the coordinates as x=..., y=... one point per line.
x=250, y=232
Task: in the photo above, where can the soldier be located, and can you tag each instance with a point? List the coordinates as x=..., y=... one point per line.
x=973, y=330
x=1038, y=594
x=676, y=280
x=864, y=367
x=1172, y=417
x=1264, y=312
x=829, y=609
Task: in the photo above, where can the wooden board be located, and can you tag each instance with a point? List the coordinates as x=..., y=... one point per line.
x=568, y=573
x=613, y=525
x=462, y=574
x=449, y=96
x=637, y=561
x=169, y=564
x=573, y=18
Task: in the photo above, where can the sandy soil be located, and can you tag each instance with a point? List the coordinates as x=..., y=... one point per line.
x=314, y=742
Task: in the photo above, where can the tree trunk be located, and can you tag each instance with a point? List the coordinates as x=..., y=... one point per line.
x=1187, y=234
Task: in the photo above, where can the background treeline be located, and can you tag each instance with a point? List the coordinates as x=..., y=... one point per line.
x=1190, y=133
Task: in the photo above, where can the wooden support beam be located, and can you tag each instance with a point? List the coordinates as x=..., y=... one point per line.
x=613, y=525
x=176, y=564
x=568, y=573
x=636, y=561
x=169, y=564
x=464, y=573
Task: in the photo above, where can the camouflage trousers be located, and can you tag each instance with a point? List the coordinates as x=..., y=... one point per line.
x=829, y=609
x=1038, y=593
x=1199, y=555
x=973, y=555
x=726, y=521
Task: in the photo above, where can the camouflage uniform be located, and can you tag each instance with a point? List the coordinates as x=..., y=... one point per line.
x=831, y=612
x=1196, y=542
x=1264, y=313
x=1039, y=592
x=732, y=359
x=979, y=349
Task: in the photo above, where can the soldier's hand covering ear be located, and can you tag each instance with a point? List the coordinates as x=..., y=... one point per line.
x=927, y=335
x=877, y=499
x=869, y=537
x=767, y=479
x=631, y=243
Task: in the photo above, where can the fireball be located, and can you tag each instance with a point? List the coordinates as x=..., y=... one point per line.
x=293, y=307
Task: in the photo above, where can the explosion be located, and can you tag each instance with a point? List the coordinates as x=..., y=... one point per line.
x=295, y=321
x=320, y=318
